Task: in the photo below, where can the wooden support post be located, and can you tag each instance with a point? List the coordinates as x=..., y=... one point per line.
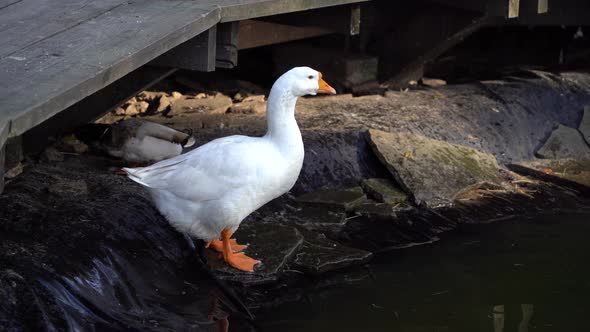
x=13, y=152
x=513, y=8
x=227, y=45
x=196, y=54
x=542, y=6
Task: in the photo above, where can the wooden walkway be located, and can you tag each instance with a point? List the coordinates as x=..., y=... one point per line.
x=54, y=53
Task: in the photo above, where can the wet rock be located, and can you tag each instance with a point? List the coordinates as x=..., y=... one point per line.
x=218, y=103
x=432, y=82
x=564, y=142
x=432, y=171
x=384, y=190
x=566, y=170
x=585, y=124
x=403, y=229
x=341, y=200
x=375, y=209
x=249, y=105
x=270, y=243
x=315, y=219
x=319, y=254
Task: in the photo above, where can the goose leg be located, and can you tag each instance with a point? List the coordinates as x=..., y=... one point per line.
x=238, y=260
x=218, y=245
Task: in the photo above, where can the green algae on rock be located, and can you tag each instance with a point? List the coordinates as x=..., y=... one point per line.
x=345, y=199
x=432, y=171
x=384, y=191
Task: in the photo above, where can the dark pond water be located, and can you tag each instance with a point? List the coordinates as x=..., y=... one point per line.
x=519, y=275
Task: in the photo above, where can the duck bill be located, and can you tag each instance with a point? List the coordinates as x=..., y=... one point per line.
x=324, y=87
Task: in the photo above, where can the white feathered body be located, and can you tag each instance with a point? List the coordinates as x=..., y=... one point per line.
x=220, y=183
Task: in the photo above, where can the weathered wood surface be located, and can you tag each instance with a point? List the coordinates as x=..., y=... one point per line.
x=51, y=74
x=237, y=10
x=195, y=54
x=55, y=53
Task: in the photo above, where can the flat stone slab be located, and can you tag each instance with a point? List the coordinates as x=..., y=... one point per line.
x=320, y=254
x=585, y=124
x=340, y=200
x=432, y=171
x=375, y=209
x=315, y=219
x=564, y=142
x=384, y=191
x=272, y=243
x=577, y=171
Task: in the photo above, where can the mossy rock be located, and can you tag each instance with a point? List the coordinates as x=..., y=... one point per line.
x=432, y=171
x=384, y=191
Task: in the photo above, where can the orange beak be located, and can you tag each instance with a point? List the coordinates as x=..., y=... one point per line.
x=324, y=87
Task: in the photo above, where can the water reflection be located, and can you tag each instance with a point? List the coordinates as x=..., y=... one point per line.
x=518, y=275
x=499, y=313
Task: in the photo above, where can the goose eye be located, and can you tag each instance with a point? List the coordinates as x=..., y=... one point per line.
x=310, y=77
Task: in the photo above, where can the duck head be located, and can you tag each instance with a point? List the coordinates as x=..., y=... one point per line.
x=306, y=81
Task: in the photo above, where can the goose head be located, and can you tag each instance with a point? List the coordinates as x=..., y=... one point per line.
x=304, y=81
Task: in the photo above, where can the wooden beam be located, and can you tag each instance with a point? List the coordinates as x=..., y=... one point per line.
x=259, y=33
x=196, y=54
x=227, y=45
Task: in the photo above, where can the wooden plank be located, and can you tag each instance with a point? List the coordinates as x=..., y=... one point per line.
x=260, y=33
x=227, y=45
x=29, y=21
x=237, y=10
x=41, y=80
x=340, y=19
x=196, y=54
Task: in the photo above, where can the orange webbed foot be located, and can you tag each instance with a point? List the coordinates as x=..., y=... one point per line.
x=241, y=262
x=218, y=245
x=238, y=260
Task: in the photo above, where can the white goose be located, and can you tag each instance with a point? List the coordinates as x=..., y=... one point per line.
x=206, y=193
